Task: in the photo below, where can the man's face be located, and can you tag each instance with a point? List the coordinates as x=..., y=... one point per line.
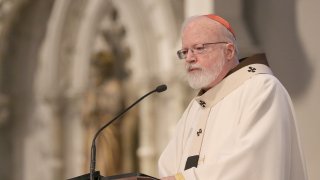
x=204, y=69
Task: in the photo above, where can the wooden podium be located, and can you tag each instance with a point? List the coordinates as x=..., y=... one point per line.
x=127, y=176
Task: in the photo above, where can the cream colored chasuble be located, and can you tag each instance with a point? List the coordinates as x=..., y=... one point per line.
x=213, y=96
x=241, y=129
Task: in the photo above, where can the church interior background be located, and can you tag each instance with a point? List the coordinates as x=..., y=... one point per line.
x=69, y=66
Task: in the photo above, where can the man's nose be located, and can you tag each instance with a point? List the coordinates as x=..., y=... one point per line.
x=190, y=57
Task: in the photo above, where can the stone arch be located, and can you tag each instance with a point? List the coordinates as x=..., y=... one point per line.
x=71, y=33
x=67, y=50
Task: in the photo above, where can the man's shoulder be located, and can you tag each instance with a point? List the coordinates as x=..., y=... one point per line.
x=264, y=80
x=262, y=84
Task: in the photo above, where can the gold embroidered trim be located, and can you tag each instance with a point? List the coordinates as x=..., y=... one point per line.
x=179, y=176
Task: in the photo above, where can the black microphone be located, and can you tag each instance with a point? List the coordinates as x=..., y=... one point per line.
x=159, y=89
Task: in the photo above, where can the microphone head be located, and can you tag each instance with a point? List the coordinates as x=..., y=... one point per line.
x=161, y=88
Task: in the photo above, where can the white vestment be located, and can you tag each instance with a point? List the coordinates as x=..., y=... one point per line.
x=249, y=134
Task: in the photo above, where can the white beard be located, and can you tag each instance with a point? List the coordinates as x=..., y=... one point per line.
x=204, y=77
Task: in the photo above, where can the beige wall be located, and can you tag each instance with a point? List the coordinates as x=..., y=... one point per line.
x=308, y=106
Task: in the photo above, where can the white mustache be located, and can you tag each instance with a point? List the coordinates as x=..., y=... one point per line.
x=192, y=66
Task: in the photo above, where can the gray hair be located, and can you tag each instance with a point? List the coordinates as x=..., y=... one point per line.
x=225, y=32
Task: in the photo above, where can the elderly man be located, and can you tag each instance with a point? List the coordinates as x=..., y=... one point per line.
x=241, y=126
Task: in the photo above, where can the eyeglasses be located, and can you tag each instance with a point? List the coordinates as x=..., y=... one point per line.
x=196, y=49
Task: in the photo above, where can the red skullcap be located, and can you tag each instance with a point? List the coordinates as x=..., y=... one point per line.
x=222, y=21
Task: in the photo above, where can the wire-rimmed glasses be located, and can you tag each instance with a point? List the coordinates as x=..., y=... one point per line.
x=196, y=49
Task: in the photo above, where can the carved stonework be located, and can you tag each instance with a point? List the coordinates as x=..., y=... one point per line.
x=6, y=7
x=4, y=111
x=104, y=97
x=9, y=9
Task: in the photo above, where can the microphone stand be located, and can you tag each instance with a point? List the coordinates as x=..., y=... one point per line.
x=159, y=89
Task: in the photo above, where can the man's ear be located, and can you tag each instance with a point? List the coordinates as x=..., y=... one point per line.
x=230, y=51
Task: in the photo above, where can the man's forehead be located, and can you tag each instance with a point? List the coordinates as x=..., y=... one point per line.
x=201, y=22
x=199, y=31
x=212, y=25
